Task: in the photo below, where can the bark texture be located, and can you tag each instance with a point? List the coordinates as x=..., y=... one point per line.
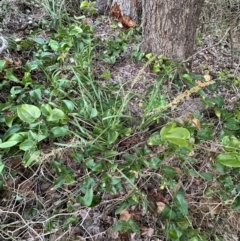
x=169, y=27
x=129, y=8
x=102, y=5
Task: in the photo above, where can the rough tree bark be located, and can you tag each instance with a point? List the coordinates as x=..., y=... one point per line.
x=169, y=27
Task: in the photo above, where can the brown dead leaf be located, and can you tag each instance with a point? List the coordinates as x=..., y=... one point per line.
x=125, y=215
x=115, y=11
x=195, y=122
x=127, y=22
x=207, y=77
x=147, y=231
x=160, y=206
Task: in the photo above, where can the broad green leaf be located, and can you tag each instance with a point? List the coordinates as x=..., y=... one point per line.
x=169, y=171
x=112, y=136
x=75, y=30
x=155, y=162
x=8, y=144
x=236, y=204
x=46, y=109
x=9, y=120
x=178, y=136
x=230, y=143
x=69, y=221
x=133, y=226
x=10, y=76
x=69, y=179
x=2, y=64
x=84, y=4
x=30, y=157
x=182, y=223
x=56, y=115
x=39, y=40
x=87, y=199
x=59, y=181
x=28, y=113
x=155, y=139
x=208, y=176
x=67, y=105
x=12, y=130
x=205, y=134
x=36, y=94
x=54, y=45
x=229, y=159
x=94, y=113
x=180, y=202
x=174, y=234
x=27, y=145
x=20, y=136
x=59, y=131
x=1, y=168
x=167, y=128
x=42, y=133
x=232, y=124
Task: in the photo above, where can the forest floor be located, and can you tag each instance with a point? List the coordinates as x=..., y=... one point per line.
x=67, y=195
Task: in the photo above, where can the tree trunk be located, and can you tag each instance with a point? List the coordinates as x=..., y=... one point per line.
x=169, y=27
x=128, y=8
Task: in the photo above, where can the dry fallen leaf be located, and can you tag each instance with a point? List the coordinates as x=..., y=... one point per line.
x=207, y=77
x=160, y=206
x=147, y=231
x=125, y=215
x=115, y=11
x=125, y=20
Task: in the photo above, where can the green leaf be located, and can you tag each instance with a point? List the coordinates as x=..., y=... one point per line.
x=106, y=74
x=1, y=167
x=36, y=94
x=155, y=162
x=174, y=234
x=133, y=226
x=56, y=115
x=94, y=113
x=12, y=130
x=10, y=76
x=182, y=223
x=112, y=136
x=53, y=45
x=180, y=202
x=60, y=131
x=9, y=120
x=28, y=113
x=230, y=143
x=30, y=157
x=155, y=139
x=236, y=204
x=87, y=199
x=39, y=40
x=67, y=105
x=69, y=221
x=229, y=159
x=75, y=30
x=84, y=4
x=169, y=171
x=208, y=176
x=205, y=134
x=27, y=145
x=2, y=64
x=178, y=135
x=8, y=144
